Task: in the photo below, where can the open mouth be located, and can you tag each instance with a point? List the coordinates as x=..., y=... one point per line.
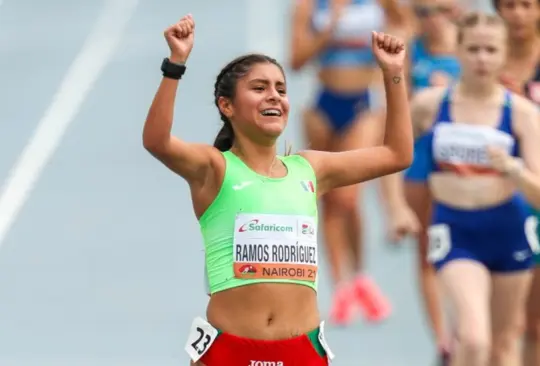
x=271, y=112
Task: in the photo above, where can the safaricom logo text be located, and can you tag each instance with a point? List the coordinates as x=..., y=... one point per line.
x=254, y=225
x=265, y=363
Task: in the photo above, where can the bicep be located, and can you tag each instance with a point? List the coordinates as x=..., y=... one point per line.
x=190, y=161
x=339, y=169
x=300, y=29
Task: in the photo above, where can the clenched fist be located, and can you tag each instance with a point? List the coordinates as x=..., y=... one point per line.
x=180, y=39
x=389, y=52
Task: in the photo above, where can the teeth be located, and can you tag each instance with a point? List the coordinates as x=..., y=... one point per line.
x=271, y=112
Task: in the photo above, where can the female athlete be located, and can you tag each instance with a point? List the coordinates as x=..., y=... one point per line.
x=478, y=240
x=522, y=74
x=337, y=33
x=433, y=63
x=258, y=211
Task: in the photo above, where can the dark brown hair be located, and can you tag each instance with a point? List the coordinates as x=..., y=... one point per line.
x=497, y=3
x=225, y=86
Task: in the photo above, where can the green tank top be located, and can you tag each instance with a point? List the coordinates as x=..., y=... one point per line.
x=261, y=229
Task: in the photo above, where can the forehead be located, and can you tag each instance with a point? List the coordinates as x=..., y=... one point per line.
x=485, y=34
x=265, y=71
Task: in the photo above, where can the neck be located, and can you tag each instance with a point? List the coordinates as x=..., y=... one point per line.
x=476, y=90
x=523, y=48
x=260, y=158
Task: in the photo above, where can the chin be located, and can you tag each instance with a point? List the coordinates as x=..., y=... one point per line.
x=520, y=34
x=273, y=128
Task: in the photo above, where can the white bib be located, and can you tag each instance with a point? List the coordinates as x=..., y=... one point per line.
x=356, y=22
x=275, y=247
x=463, y=148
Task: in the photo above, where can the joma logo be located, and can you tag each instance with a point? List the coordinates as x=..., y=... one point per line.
x=266, y=363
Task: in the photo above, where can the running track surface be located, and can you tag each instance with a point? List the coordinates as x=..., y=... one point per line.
x=104, y=263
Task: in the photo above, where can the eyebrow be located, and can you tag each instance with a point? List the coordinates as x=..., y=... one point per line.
x=265, y=81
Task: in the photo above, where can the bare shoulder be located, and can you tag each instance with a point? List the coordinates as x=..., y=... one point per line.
x=311, y=155
x=523, y=105
x=315, y=158
x=425, y=105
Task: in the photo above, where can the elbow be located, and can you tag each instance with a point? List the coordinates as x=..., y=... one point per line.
x=155, y=140
x=149, y=146
x=296, y=63
x=295, y=66
x=535, y=204
x=402, y=165
x=403, y=161
x=534, y=200
x=152, y=144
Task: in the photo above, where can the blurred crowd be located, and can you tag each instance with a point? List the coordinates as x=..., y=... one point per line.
x=463, y=65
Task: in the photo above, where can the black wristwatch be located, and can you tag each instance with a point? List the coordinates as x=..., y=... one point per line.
x=172, y=70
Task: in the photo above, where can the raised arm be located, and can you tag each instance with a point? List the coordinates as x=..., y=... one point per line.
x=306, y=44
x=397, y=14
x=424, y=106
x=191, y=161
x=351, y=167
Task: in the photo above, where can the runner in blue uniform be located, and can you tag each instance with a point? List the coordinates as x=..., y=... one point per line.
x=522, y=74
x=482, y=141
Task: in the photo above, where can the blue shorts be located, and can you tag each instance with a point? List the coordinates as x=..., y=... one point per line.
x=420, y=168
x=501, y=238
x=341, y=109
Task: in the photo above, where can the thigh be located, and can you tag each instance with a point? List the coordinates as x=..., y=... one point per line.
x=466, y=285
x=508, y=300
x=533, y=301
x=367, y=130
x=418, y=197
x=317, y=131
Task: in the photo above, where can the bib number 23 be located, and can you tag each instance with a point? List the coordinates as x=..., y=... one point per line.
x=201, y=337
x=201, y=343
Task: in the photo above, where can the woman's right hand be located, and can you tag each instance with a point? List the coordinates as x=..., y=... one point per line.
x=180, y=38
x=403, y=222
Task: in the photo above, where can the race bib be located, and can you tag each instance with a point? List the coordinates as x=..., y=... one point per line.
x=275, y=247
x=439, y=242
x=462, y=148
x=201, y=336
x=531, y=228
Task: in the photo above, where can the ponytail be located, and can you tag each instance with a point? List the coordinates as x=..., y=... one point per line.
x=225, y=137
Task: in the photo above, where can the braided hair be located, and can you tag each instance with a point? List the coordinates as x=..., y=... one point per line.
x=225, y=86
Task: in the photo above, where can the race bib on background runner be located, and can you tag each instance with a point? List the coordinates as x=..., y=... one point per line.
x=462, y=148
x=275, y=247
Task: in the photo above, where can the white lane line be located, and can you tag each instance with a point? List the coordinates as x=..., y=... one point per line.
x=96, y=52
